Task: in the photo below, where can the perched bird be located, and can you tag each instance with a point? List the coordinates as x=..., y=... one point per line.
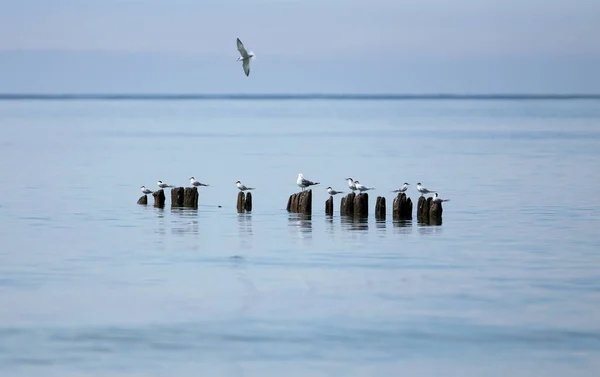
x=245, y=58
x=146, y=190
x=423, y=190
x=332, y=191
x=402, y=189
x=163, y=185
x=243, y=187
x=436, y=198
x=195, y=183
x=351, y=184
x=360, y=187
x=304, y=183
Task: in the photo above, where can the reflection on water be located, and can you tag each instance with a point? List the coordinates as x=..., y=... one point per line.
x=244, y=221
x=302, y=223
x=355, y=223
x=380, y=225
x=186, y=220
x=425, y=229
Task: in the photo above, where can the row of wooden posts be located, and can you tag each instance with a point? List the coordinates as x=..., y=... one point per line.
x=358, y=206
x=301, y=202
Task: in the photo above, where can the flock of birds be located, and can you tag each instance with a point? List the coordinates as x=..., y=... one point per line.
x=304, y=183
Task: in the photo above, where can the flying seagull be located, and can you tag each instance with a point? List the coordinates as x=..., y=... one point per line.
x=245, y=58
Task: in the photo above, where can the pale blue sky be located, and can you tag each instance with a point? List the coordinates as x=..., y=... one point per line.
x=363, y=46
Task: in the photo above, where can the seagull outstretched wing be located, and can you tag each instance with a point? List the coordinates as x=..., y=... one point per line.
x=242, y=50
x=246, y=65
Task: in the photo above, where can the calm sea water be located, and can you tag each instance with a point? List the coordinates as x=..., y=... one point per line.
x=93, y=284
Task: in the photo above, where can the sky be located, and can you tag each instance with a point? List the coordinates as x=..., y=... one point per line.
x=301, y=46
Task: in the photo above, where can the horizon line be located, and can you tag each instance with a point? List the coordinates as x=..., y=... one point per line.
x=290, y=96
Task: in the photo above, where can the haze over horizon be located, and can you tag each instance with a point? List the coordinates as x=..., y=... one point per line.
x=302, y=46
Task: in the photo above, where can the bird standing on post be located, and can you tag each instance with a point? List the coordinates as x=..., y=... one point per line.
x=304, y=183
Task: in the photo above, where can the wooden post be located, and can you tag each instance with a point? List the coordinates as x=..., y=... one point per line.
x=402, y=209
x=248, y=203
x=177, y=197
x=300, y=202
x=380, y=208
x=423, y=209
x=329, y=206
x=241, y=202
x=143, y=200
x=159, y=198
x=361, y=205
x=347, y=205
x=435, y=213
x=190, y=197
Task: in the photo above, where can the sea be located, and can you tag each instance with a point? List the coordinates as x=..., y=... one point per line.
x=94, y=284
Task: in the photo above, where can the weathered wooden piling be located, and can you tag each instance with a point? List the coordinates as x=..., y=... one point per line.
x=244, y=202
x=435, y=212
x=143, y=200
x=159, y=198
x=248, y=202
x=300, y=202
x=347, y=205
x=190, y=197
x=423, y=209
x=241, y=202
x=177, y=196
x=402, y=207
x=329, y=206
x=361, y=205
x=380, y=208
x=429, y=212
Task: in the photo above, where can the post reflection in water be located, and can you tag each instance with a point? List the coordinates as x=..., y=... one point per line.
x=355, y=223
x=245, y=229
x=303, y=224
x=185, y=222
x=329, y=224
x=380, y=225
x=429, y=229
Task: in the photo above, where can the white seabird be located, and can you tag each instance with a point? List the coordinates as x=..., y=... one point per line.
x=146, y=190
x=332, y=191
x=245, y=58
x=195, y=183
x=360, y=187
x=402, y=189
x=436, y=198
x=423, y=190
x=243, y=187
x=162, y=185
x=351, y=184
x=304, y=183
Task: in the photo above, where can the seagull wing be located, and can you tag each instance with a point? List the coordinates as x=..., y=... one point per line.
x=247, y=67
x=242, y=49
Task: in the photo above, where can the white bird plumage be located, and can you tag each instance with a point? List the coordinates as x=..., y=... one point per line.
x=351, y=184
x=245, y=57
x=423, y=190
x=332, y=191
x=304, y=183
x=360, y=187
x=195, y=183
x=436, y=198
x=402, y=189
x=162, y=185
x=243, y=187
x=146, y=190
